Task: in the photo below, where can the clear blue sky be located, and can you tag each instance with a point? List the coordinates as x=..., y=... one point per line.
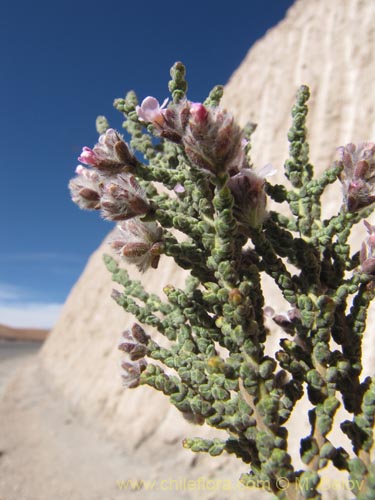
x=62, y=64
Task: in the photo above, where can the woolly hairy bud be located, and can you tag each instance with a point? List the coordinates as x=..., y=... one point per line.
x=176, y=120
x=367, y=254
x=110, y=155
x=358, y=175
x=250, y=198
x=133, y=341
x=132, y=372
x=138, y=242
x=123, y=198
x=86, y=188
x=212, y=140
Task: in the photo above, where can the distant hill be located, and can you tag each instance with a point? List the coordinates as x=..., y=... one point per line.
x=34, y=334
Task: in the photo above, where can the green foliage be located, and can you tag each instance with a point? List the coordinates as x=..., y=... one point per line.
x=214, y=369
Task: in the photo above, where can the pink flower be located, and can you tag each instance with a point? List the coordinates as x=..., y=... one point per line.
x=150, y=111
x=88, y=157
x=179, y=188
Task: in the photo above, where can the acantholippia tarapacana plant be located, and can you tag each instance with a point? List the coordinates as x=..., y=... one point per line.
x=215, y=369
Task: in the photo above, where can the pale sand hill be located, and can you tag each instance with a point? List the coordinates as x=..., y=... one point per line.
x=326, y=44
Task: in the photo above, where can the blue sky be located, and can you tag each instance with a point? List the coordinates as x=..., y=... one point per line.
x=62, y=64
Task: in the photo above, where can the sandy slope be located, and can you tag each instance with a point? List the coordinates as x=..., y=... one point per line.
x=12, y=357
x=48, y=451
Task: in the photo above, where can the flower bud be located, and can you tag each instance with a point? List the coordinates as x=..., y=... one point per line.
x=358, y=175
x=212, y=140
x=133, y=342
x=86, y=188
x=139, y=334
x=198, y=113
x=138, y=242
x=110, y=155
x=123, y=198
x=176, y=120
x=288, y=320
x=367, y=253
x=132, y=372
x=247, y=188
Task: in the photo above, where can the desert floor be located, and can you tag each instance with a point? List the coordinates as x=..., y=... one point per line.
x=49, y=452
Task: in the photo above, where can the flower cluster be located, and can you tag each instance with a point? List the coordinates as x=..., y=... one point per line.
x=110, y=187
x=358, y=174
x=138, y=242
x=214, y=143
x=133, y=344
x=250, y=198
x=111, y=154
x=86, y=188
x=211, y=139
x=123, y=198
x=367, y=254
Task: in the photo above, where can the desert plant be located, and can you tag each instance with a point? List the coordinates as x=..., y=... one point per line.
x=212, y=219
